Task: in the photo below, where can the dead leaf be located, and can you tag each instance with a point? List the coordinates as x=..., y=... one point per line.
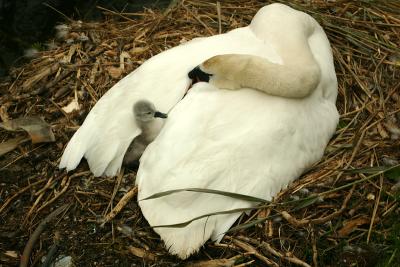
x=73, y=105
x=3, y=112
x=11, y=144
x=110, y=53
x=350, y=226
x=141, y=253
x=383, y=133
x=11, y=253
x=214, y=263
x=44, y=72
x=38, y=130
x=138, y=50
x=122, y=58
x=114, y=72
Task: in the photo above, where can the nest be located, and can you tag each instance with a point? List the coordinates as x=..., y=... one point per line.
x=342, y=211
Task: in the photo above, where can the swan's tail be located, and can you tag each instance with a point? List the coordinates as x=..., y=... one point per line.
x=74, y=151
x=185, y=241
x=104, y=155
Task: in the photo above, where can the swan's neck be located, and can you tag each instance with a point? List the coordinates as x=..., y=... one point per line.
x=149, y=129
x=234, y=71
x=297, y=77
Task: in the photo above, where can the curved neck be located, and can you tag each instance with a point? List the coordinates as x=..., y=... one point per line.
x=295, y=80
x=289, y=33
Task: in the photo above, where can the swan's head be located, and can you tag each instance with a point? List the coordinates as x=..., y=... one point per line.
x=222, y=71
x=145, y=111
x=198, y=75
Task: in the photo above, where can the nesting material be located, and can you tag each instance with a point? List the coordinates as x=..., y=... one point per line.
x=345, y=199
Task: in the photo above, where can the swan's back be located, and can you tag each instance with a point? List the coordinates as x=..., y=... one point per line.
x=235, y=141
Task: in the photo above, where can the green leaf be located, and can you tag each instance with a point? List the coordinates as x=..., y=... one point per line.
x=249, y=224
x=183, y=224
x=370, y=170
x=393, y=174
x=342, y=124
x=208, y=191
x=306, y=202
x=390, y=172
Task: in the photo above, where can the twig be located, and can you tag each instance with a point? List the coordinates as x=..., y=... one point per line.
x=59, y=12
x=141, y=253
x=288, y=256
x=53, y=249
x=121, y=204
x=314, y=248
x=51, y=85
x=36, y=234
x=219, y=17
x=116, y=187
x=252, y=250
x=322, y=220
x=371, y=225
x=199, y=20
x=216, y=262
x=115, y=13
x=8, y=201
x=57, y=195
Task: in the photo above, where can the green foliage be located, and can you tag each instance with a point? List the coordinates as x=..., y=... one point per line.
x=38, y=46
x=391, y=257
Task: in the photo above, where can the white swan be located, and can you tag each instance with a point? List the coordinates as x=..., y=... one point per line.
x=104, y=139
x=242, y=141
x=146, y=115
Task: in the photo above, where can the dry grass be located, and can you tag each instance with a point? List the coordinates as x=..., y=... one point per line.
x=341, y=212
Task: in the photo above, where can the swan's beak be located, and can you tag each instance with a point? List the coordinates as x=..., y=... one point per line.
x=197, y=75
x=161, y=115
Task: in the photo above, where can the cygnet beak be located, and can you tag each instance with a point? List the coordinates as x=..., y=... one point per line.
x=197, y=75
x=159, y=114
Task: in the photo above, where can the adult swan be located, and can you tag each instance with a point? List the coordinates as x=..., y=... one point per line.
x=244, y=141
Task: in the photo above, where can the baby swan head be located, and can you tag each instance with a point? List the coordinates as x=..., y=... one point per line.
x=145, y=111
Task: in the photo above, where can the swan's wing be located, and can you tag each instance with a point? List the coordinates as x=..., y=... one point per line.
x=109, y=128
x=239, y=141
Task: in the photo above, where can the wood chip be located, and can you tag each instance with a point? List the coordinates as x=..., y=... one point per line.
x=141, y=253
x=350, y=226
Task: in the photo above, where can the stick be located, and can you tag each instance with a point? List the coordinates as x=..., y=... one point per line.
x=288, y=256
x=8, y=201
x=252, y=250
x=292, y=220
x=53, y=249
x=121, y=204
x=219, y=17
x=36, y=234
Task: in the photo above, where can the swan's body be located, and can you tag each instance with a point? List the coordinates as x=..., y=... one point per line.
x=146, y=116
x=242, y=141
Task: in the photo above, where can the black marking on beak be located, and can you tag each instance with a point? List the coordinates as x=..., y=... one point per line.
x=197, y=75
x=159, y=114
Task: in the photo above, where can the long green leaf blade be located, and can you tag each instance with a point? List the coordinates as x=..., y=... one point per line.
x=183, y=224
x=208, y=191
